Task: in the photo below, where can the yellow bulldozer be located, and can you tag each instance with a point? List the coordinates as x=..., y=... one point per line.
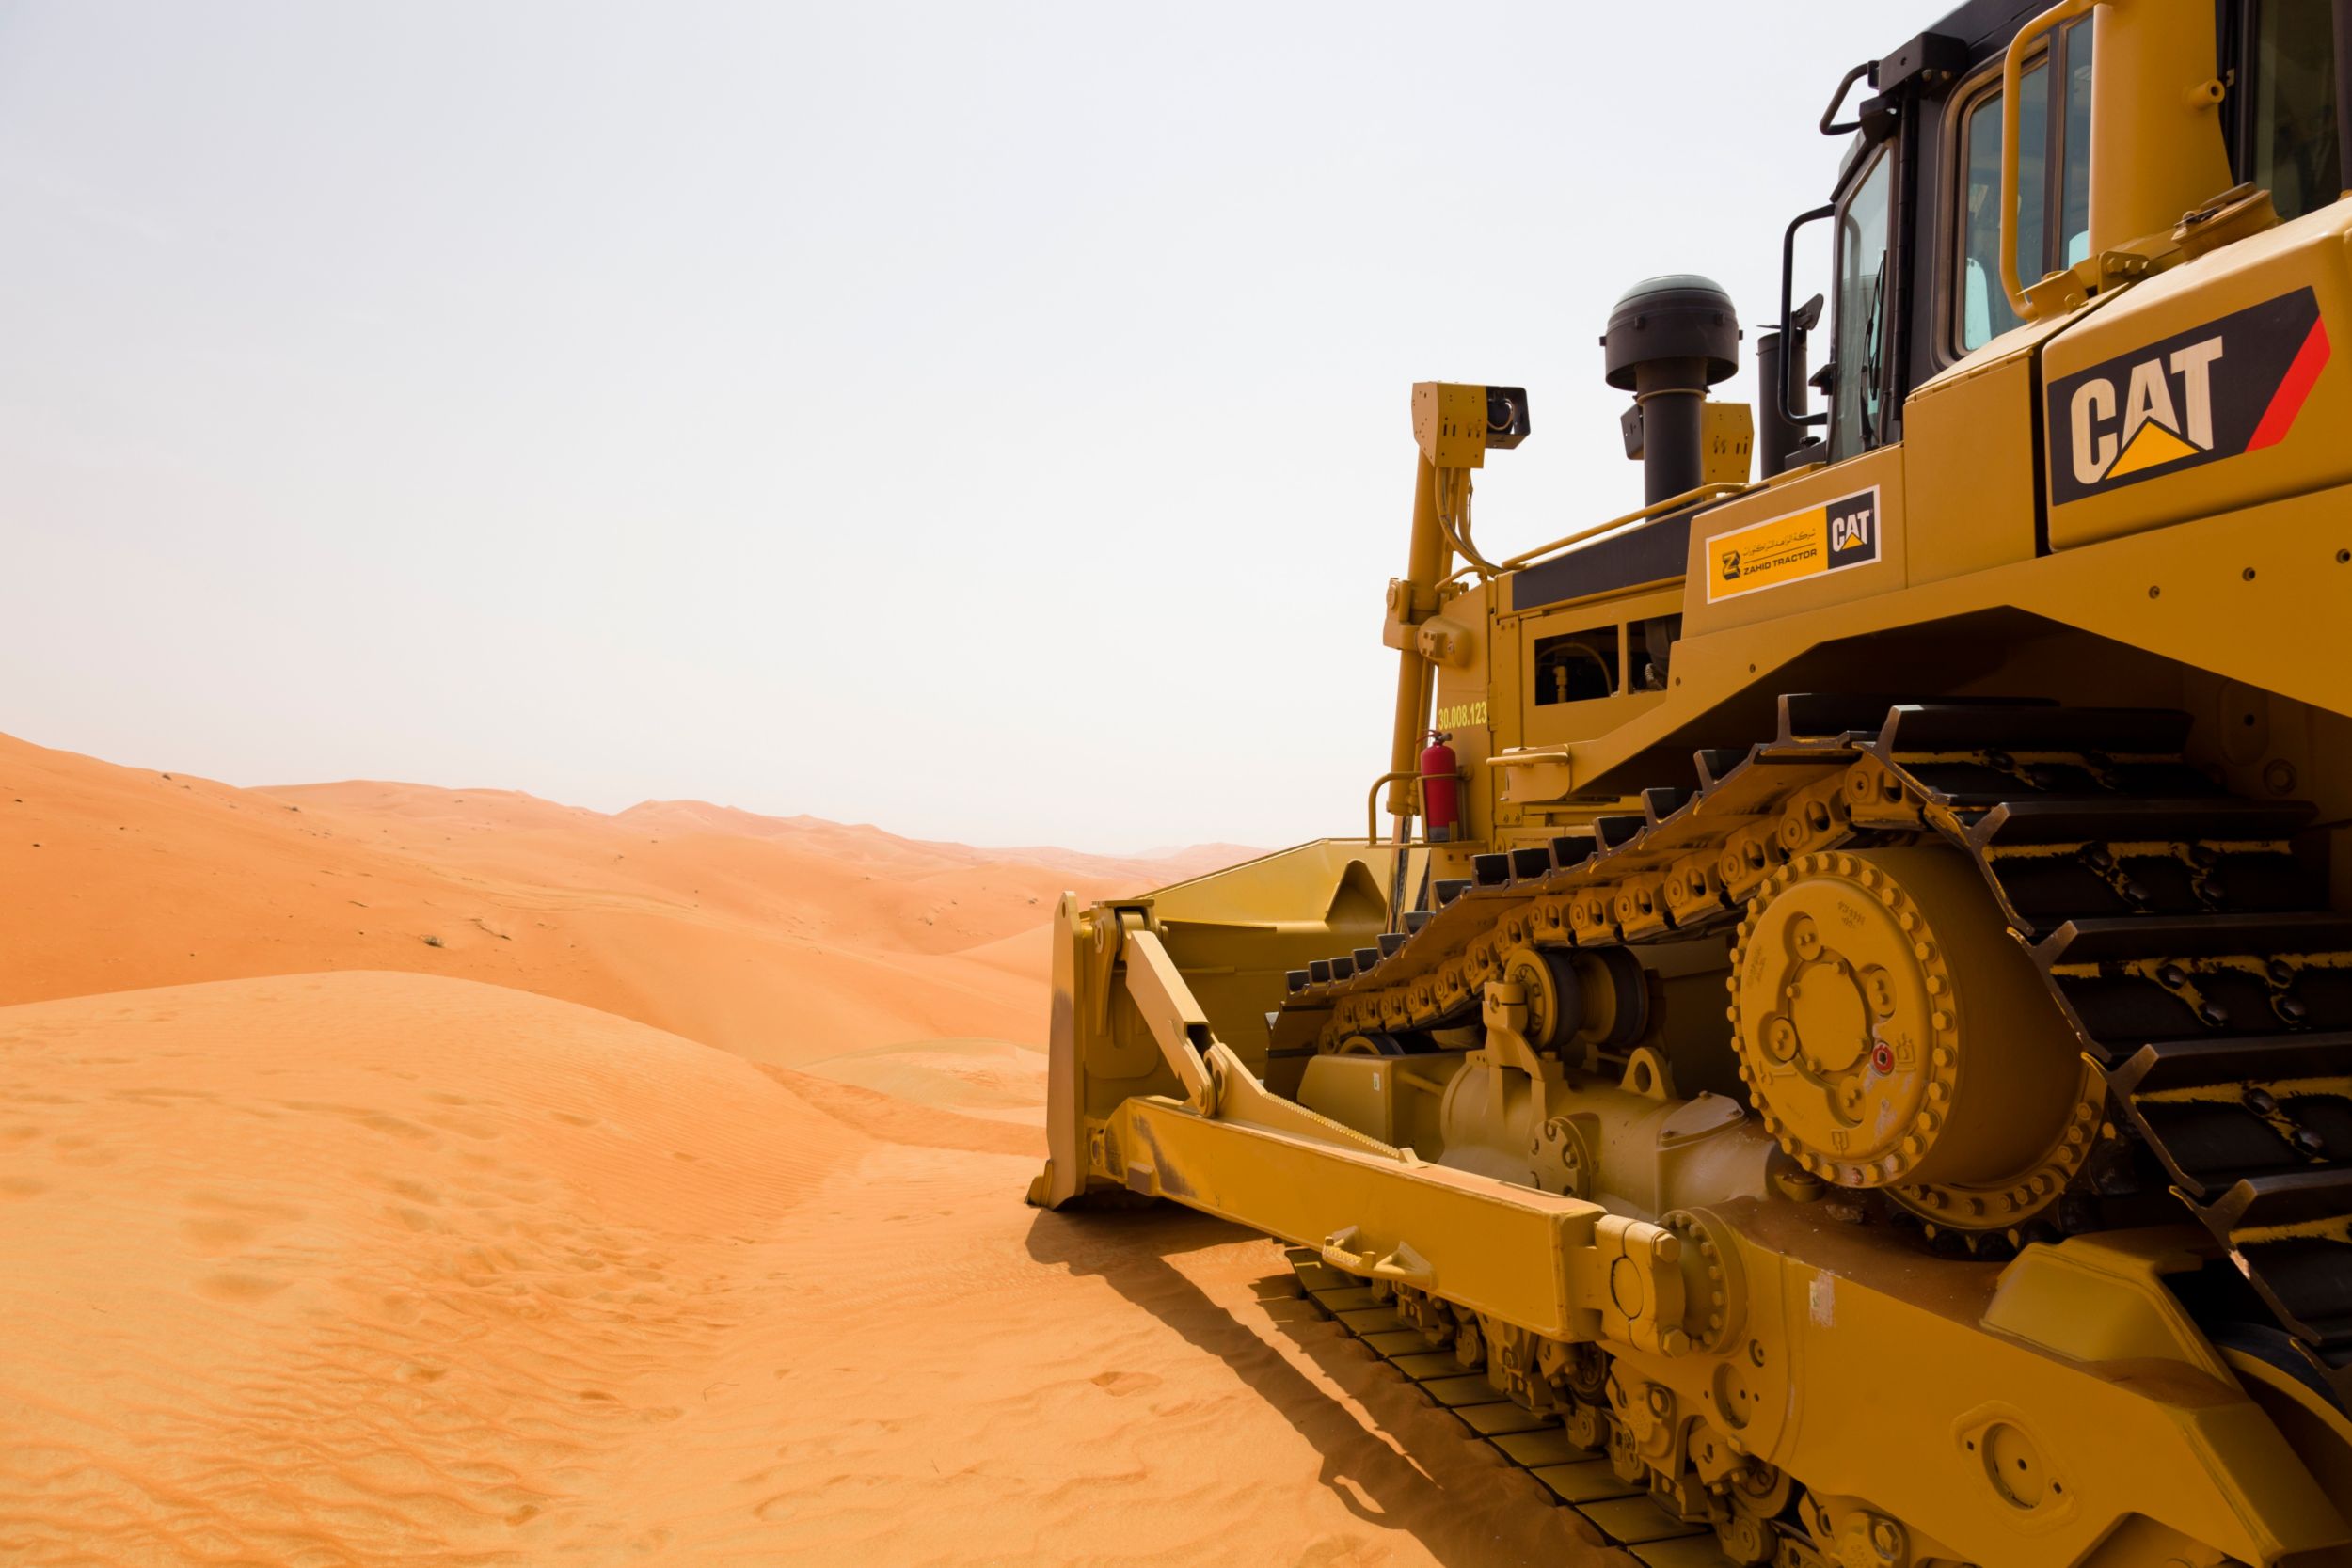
x=1835, y=1044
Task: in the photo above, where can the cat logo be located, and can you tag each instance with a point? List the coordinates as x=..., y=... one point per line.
x=1849, y=532
x=2231, y=385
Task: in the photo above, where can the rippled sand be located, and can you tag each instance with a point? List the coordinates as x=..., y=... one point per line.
x=377, y=1268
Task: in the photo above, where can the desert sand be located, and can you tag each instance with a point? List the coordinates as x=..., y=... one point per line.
x=666, y=1211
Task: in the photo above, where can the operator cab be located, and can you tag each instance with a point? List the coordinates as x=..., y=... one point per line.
x=1916, y=214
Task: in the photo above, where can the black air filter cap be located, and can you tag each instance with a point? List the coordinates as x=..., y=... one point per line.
x=1677, y=316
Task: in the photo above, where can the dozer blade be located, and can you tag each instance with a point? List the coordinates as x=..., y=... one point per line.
x=1233, y=937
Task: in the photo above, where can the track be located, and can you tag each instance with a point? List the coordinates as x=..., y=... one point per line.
x=1534, y=1441
x=2185, y=941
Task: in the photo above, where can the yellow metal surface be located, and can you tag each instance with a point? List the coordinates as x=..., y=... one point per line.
x=1968, y=469
x=1559, y=1266
x=1450, y=424
x=1727, y=443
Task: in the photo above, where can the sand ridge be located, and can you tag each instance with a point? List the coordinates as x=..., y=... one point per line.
x=778, y=938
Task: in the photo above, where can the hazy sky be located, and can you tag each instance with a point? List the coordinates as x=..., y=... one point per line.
x=986, y=420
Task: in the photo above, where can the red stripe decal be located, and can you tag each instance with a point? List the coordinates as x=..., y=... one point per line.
x=2287, y=402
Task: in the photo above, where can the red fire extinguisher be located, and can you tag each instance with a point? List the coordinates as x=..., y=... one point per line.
x=1441, y=797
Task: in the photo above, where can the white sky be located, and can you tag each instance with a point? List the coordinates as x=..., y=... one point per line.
x=987, y=420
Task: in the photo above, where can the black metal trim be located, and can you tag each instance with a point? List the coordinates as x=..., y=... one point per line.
x=1837, y=99
x=1788, y=271
x=2343, y=19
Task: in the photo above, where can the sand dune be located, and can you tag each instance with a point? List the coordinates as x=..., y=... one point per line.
x=776, y=939
x=694, y=1236
x=373, y=1268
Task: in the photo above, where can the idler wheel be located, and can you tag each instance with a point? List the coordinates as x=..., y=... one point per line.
x=1378, y=1044
x=1618, y=1015
x=1895, y=1036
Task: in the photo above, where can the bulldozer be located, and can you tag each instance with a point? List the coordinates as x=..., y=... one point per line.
x=1834, y=1044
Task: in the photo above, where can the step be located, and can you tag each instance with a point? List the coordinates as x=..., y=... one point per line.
x=1659, y=803
x=1683, y=1551
x=2121, y=818
x=1316, y=1276
x=1716, y=764
x=1569, y=850
x=1588, y=1481
x=1930, y=727
x=1425, y=1364
x=2195, y=936
x=1616, y=830
x=1397, y=1343
x=1467, y=1388
x=1496, y=1421
x=1346, y=1298
x=2256, y=1058
x=1637, y=1521
x=2288, y=1198
x=1832, y=715
x=1548, y=1445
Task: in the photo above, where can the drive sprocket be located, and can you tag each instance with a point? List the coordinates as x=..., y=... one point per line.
x=1895, y=1036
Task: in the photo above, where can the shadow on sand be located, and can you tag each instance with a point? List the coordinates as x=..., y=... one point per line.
x=1465, y=1504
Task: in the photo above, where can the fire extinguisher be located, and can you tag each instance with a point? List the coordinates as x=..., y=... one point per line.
x=1441, y=796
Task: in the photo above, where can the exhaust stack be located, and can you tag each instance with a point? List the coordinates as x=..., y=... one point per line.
x=1669, y=339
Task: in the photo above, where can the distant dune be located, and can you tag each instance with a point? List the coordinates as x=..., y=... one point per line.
x=773, y=938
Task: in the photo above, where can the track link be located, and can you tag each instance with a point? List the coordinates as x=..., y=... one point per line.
x=1581, y=1479
x=2182, y=938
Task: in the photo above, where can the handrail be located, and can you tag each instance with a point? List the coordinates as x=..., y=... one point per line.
x=2012, y=85
x=1671, y=503
x=1371, y=807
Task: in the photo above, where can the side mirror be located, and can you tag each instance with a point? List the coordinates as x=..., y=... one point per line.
x=1795, y=322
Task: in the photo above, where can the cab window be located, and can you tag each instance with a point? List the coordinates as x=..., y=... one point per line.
x=1984, y=312
x=2073, y=154
x=2293, y=152
x=2052, y=230
x=1859, y=362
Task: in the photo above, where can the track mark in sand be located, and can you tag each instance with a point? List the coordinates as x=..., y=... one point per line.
x=1119, y=1384
x=1342, y=1551
x=237, y=1285
x=206, y=1198
x=210, y=1236
x=902, y=1121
